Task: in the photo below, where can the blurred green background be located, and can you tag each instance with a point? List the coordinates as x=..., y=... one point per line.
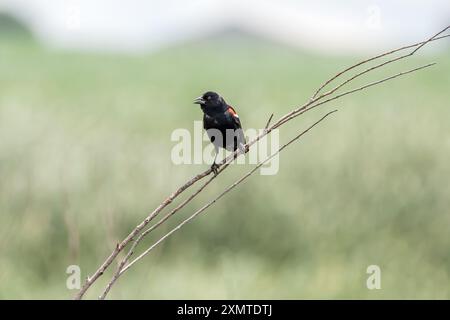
x=85, y=155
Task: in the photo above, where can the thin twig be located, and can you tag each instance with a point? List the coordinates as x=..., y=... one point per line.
x=303, y=110
x=229, y=188
x=378, y=66
x=121, y=268
x=313, y=102
x=314, y=98
x=120, y=246
x=268, y=122
x=418, y=45
x=143, y=234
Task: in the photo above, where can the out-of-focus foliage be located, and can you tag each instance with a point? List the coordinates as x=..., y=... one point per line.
x=85, y=155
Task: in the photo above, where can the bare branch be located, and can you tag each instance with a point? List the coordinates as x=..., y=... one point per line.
x=121, y=268
x=268, y=122
x=228, y=189
x=305, y=108
x=418, y=45
x=314, y=99
x=312, y=103
x=143, y=234
x=120, y=246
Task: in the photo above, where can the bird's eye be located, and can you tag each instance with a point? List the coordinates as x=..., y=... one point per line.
x=208, y=97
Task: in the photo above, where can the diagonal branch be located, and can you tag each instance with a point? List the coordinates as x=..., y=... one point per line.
x=316, y=98
x=305, y=108
x=418, y=46
x=228, y=189
x=120, y=246
x=143, y=234
x=312, y=103
x=121, y=269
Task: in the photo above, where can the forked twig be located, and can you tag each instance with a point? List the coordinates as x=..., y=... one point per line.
x=137, y=234
x=316, y=98
x=417, y=45
x=307, y=108
x=228, y=189
x=122, y=269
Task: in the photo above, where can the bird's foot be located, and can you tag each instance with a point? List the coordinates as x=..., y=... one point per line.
x=215, y=168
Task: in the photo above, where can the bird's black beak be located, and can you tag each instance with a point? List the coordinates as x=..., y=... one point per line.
x=199, y=100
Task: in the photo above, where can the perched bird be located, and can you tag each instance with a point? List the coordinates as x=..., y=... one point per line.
x=217, y=114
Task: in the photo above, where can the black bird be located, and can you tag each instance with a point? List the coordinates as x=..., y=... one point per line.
x=217, y=114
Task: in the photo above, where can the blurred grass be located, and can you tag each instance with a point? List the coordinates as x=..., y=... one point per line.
x=85, y=155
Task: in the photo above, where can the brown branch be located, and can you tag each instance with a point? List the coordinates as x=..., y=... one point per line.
x=418, y=45
x=143, y=234
x=120, y=270
x=224, y=164
x=120, y=246
x=314, y=99
x=228, y=189
x=303, y=109
x=268, y=122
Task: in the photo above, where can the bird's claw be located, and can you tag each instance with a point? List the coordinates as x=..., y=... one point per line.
x=215, y=168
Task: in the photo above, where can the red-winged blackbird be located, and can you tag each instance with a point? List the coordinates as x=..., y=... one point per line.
x=222, y=124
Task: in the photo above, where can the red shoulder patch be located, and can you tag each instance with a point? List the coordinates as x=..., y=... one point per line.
x=232, y=111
